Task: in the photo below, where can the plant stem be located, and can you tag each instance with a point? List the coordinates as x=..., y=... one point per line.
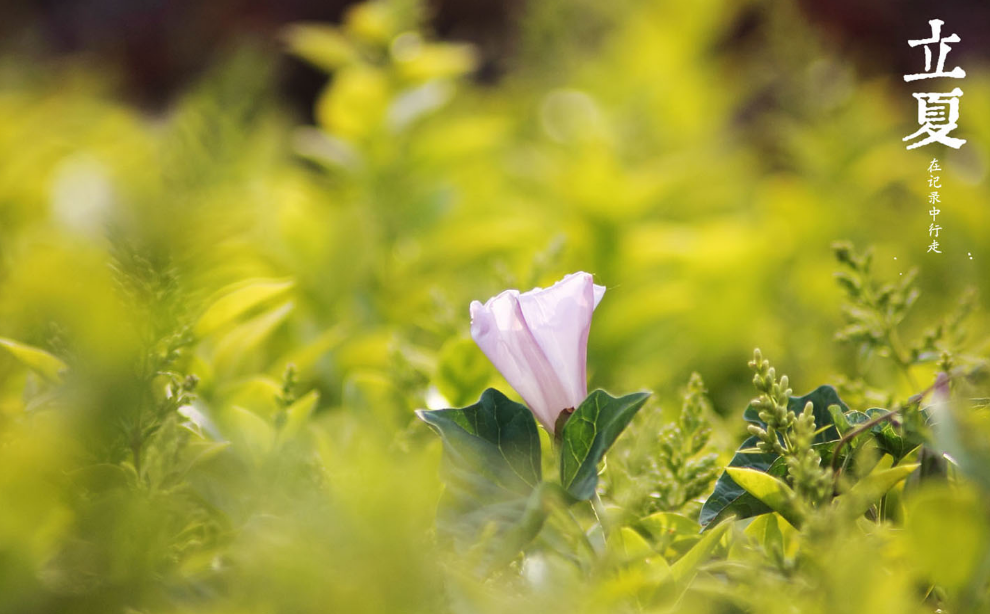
x=896, y=352
x=856, y=431
x=599, y=509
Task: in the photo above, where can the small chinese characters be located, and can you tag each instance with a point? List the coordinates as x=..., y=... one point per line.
x=934, y=184
x=938, y=112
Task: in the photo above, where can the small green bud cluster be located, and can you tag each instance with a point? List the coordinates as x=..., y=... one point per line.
x=788, y=434
x=874, y=309
x=287, y=395
x=772, y=406
x=666, y=465
x=687, y=474
x=811, y=481
x=874, y=312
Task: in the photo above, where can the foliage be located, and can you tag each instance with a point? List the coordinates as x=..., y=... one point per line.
x=217, y=323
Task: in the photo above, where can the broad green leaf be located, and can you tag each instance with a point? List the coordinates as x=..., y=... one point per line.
x=41, y=362
x=237, y=299
x=588, y=434
x=491, y=469
x=496, y=436
x=771, y=491
x=730, y=499
x=868, y=490
x=821, y=398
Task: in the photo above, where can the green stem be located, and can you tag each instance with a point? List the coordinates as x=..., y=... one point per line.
x=853, y=433
x=601, y=515
x=897, y=353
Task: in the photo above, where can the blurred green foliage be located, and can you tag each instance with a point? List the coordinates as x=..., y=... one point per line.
x=216, y=323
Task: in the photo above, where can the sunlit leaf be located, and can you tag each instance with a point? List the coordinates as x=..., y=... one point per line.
x=688, y=564
x=730, y=499
x=237, y=344
x=771, y=491
x=236, y=300
x=321, y=45
x=41, y=362
x=869, y=489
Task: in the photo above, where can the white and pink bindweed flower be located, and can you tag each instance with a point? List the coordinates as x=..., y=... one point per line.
x=538, y=341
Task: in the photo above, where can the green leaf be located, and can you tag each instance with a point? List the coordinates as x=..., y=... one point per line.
x=858, y=499
x=237, y=299
x=669, y=530
x=41, y=362
x=496, y=436
x=686, y=567
x=731, y=499
x=491, y=470
x=821, y=398
x=889, y=439
x=766, y=531
x=772, y=492
x=322, y=46
x=662, y=525
x=237, y=345
x=589, y=433
x=628, y=545
x=839, y=419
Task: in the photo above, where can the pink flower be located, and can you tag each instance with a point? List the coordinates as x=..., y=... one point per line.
x=538, y=340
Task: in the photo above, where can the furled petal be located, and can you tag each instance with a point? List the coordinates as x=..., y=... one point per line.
x=538, y=341
x=559, y=318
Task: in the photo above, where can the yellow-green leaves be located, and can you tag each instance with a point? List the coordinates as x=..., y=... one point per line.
x=236, y=300
x=41, y=362
x=771, y=491
x=322, y=46
x=868, y=490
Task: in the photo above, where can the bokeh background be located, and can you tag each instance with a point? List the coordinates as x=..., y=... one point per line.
x=354, y=175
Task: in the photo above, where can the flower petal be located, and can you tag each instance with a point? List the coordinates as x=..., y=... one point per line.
x=501, y=331
x=599, y=293
x=559, y=319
